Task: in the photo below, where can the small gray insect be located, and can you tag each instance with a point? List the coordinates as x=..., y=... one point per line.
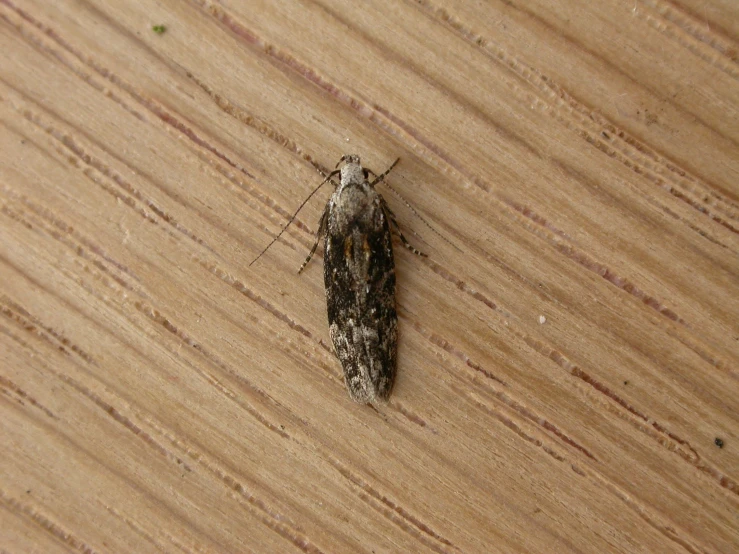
x=359, y=275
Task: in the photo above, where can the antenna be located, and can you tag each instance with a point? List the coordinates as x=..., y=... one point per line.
x=328, y=177
x=419, y=216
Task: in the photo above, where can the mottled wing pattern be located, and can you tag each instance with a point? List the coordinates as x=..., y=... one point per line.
x=359, y=275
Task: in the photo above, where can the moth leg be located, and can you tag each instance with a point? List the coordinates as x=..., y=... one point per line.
x=381, y=177
x=321, y=231
x=329, y=176
x=391, y=216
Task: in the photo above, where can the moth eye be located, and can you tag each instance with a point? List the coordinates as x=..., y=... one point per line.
x=366, y=173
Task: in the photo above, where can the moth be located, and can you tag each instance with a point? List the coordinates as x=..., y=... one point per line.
x=359, y=276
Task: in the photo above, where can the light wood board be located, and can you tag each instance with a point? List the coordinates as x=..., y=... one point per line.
x=568, y=353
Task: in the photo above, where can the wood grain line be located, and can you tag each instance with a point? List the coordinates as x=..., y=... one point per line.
x=148, y=537
x=30, y=512
x=590, y=124
x=260, y=509
x=680, y=25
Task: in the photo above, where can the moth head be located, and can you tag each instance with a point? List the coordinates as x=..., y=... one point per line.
x=349, y=159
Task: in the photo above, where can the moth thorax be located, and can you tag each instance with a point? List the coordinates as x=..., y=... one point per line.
x=352, y=173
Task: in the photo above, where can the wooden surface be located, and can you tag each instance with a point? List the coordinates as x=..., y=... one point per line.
x=561, y=380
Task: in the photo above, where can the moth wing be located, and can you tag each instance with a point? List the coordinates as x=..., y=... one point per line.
x=359, y=275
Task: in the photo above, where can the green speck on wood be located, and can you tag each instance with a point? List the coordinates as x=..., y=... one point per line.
x=159, y=29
